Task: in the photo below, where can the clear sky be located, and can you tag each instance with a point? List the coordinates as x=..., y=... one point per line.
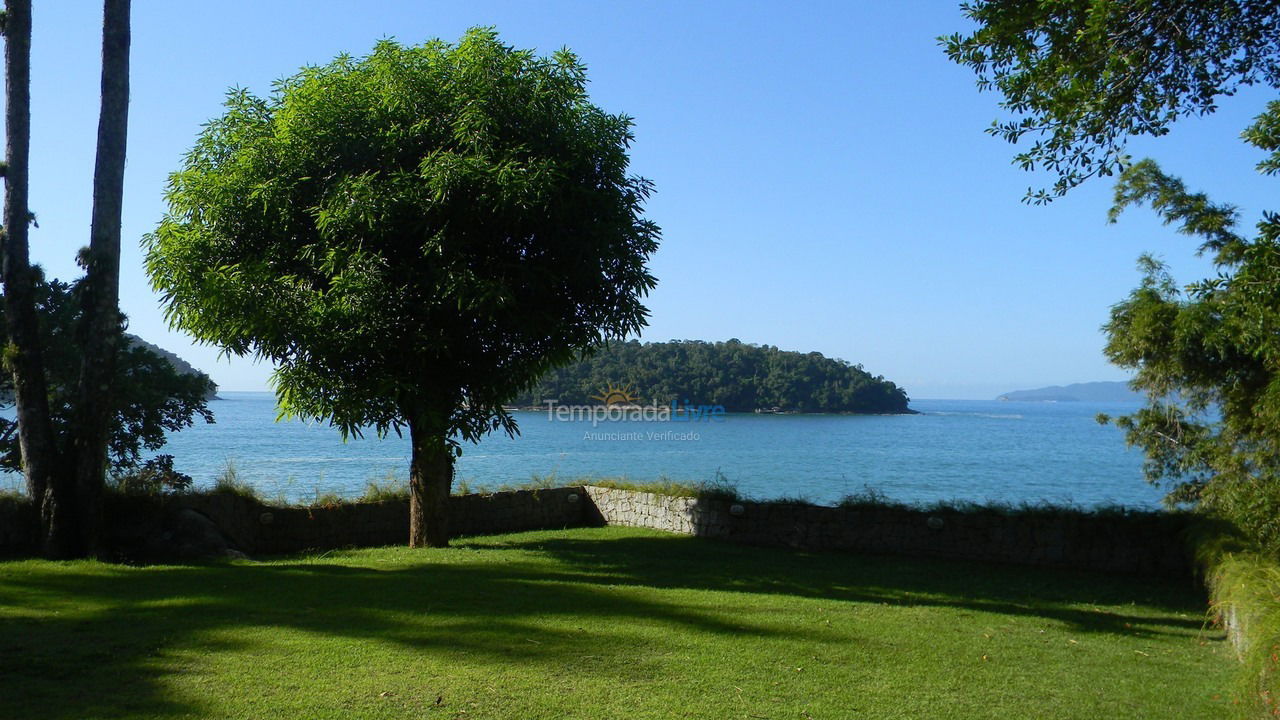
x=823, y=179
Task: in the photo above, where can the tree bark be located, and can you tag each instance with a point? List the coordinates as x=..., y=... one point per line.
x=22, y=354
x=100, y=301
x=430, y=481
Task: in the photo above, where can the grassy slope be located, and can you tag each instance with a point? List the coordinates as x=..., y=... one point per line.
x=606, y=623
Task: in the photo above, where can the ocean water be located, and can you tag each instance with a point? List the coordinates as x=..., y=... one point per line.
x=954, y=450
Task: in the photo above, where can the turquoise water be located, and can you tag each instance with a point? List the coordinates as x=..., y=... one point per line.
x=953, y=450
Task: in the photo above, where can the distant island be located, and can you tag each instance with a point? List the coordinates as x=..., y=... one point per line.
x=740, y=376
x=1078, y=392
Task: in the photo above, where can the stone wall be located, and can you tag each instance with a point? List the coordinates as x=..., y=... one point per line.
x=186, y=525
x=196, y=524
x=1142, y=543
x=271, y=530
x=17, y=526
x=159, y=526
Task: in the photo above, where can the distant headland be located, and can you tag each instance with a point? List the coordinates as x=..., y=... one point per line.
x=182, y=366
x=1077, y=392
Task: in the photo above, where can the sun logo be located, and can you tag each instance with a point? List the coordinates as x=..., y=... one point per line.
x=616, y=396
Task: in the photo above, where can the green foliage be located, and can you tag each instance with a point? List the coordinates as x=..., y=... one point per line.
x=9, y=499
x=151, y=397
x=1084, y=75
x=156, y=476
x=229, y=482
x=1208, y=355
x=734, y=374
x=392, y=488
x=421, y=232
x=1244, y=592
x=869, y=498
x=327, y=500
x=1087, y=74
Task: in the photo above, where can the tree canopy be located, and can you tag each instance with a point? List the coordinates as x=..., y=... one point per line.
x=1086, y=75
x=739, y=376
x=1208, y=354
x=1083, y=76
x=413, y=237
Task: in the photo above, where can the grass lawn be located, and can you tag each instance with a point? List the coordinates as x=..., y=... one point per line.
x=600, y=623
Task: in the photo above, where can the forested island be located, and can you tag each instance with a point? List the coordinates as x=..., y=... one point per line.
x=740, y=376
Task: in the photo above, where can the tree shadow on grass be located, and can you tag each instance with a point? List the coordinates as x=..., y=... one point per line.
x=116, y=626
x=1068, y=596
x=87, y=640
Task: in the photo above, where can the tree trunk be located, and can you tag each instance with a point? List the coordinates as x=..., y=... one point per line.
x=22, y=355
x=100, y=301
x=430, y=481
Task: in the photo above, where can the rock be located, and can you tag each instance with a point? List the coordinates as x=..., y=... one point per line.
x=193, y=535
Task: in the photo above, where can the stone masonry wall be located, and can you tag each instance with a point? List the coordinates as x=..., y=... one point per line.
x=1141, y=543
x=145, y=527
x=17, y=527
x=1144, y=543
x=272, y=530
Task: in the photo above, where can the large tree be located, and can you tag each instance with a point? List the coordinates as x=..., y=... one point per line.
x=100, y=322
x=22, y=353
x=413, y=237
x=1083, y=76
x=65, y=471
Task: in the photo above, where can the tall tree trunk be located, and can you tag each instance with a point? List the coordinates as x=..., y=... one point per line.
x=430, y=480
x=22, y=354
x=100, y=302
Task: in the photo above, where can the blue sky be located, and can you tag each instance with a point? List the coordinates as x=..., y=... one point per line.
x=823, y=181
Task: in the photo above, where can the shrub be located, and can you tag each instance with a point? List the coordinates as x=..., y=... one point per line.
x=328, y=500
x=228, y=482
x=156, y=476
x=391, y=489
x=1244, y=595
x=868, y=498
x=12, y=498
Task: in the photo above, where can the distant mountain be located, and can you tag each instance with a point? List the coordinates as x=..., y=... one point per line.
x=1079, y=392
x=182, y=366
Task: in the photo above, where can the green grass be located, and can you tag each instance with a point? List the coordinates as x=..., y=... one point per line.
x=600, y=623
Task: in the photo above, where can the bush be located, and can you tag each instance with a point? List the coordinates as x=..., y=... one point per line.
x=328, y=500
x=1244, y=595
x=391, y=489
x=869, y=498
x=155, y=477
x=228, y=482
x=1252, y=506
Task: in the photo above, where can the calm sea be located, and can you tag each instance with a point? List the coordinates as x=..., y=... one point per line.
x=954, y=450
